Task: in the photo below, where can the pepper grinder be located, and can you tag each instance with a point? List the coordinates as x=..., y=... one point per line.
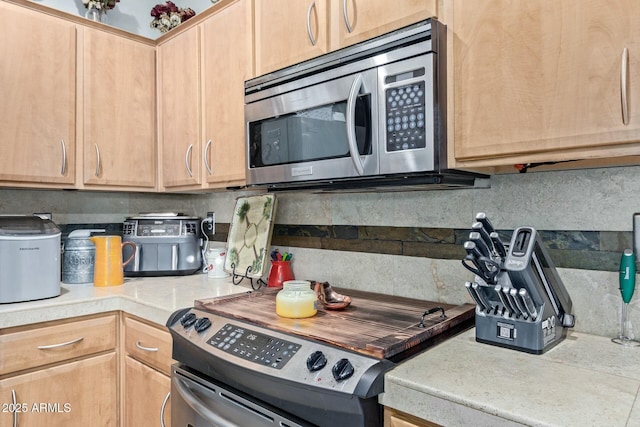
x=627, y=286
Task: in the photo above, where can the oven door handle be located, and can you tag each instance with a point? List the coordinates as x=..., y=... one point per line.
x=198, y=406
x=351, y=124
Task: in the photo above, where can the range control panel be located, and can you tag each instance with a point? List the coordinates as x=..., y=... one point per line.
x=254, y=346
x=286, y=356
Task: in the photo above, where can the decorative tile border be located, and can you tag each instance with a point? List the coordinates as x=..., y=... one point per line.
x=586, y=250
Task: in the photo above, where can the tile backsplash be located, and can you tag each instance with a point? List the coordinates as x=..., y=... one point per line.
x=408, y=243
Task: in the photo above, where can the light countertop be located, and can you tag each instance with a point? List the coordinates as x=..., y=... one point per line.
x=585, y=380
x=153, y=299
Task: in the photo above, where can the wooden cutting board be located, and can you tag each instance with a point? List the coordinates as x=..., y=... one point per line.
x=377, y=325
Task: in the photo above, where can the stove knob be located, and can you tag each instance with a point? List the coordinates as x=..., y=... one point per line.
x=342, y=370
x=188, y=320
x=316, y=361
x=202, y=324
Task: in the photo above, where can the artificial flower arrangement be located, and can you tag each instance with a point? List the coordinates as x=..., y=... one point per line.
x=100, y=4
x=167, y=16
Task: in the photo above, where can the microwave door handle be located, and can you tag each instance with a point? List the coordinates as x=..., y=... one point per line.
x=351, y=124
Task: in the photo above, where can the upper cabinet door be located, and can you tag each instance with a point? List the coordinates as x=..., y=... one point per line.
x=354, y=21
x=227, y=64
x=119, y=111
x=289, y=31
x=179, y=108
x=38, y=101
x=545, y=80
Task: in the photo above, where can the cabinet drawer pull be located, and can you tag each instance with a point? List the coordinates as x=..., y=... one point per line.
x=207, y=148
x=141, y=347
x=63, y=344
x=63, y=169
x=162, y=408
x=309, y=33
x=624, y=85
x=187, y=160
x=345, y=16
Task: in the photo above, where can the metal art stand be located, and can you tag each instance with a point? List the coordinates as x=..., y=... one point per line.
x=236, y=278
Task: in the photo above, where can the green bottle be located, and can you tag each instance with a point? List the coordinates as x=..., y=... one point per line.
x=627, y=275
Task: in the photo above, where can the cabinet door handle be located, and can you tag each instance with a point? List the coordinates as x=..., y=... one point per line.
x=62, y=344
x=15, y=411
x=311, y=38
x=624, y=85
x=187, y=160
x=164, y=405
x=63, y=169
x=345, y=16
x=143, y=348
x=97, y=160
x=206, y=157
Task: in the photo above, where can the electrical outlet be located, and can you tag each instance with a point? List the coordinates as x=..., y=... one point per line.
x=210, y=222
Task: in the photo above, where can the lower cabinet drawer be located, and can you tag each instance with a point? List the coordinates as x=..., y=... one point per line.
x=148, y=344
x=52, y=342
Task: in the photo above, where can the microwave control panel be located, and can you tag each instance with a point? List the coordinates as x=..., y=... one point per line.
x=405, y=108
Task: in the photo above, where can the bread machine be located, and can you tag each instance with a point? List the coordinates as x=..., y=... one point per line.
x=167, y=244
x=29, y=258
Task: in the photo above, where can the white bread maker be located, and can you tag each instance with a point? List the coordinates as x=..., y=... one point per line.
x=29, y=258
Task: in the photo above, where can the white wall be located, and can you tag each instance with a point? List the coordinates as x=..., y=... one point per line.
x=129, y=15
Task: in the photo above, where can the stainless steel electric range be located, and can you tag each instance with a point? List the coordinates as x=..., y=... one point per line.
x=239, y=364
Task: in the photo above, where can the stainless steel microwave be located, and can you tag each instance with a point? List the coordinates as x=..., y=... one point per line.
x=369, y=115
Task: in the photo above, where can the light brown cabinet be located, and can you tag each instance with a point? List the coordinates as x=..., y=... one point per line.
x=201, y=101
x=393, y=418
x=291, y=31
x=60, y=373
x=38, y=105
x=353, y=21
x=147, y=365
x=544, y=80
x=118, y=111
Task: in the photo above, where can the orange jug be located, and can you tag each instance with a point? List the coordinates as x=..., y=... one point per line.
x=108, y=270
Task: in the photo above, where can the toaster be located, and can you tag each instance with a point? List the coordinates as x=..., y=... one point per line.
x=166, y=245
x=29, y=258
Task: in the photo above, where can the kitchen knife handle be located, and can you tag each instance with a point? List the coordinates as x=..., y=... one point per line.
x=475, y=297
x=309, y=33
x=514, y=294
x=482, y=297
x=503, y=299
x=528, y=303
x=345, y=16
x=475, y=237
x=479, y=228
x=512, y=303
x=624, y=85
x=482, y=217
x=498, y=245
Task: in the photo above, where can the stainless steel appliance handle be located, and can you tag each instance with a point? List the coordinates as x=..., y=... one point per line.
x=187, y=160
x=162, y=408
x=63, y=169
x=143, y=348
x=174, y=257
x=198, y=406
x=63, y=344
x=15, y=411
x=624, y=85
x=97, y=160
x=206, y=157
x=351, y=124
x=309, y=34
x=345, y=16
x=136, y=258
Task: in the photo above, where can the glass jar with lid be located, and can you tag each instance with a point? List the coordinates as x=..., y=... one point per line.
x=296, y=300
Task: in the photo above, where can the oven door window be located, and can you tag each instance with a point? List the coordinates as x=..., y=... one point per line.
x=313, y=134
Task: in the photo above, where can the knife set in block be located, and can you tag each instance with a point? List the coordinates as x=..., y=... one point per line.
x=521, y=302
